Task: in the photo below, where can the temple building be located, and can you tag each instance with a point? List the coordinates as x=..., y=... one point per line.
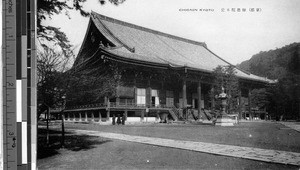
x=160, y=73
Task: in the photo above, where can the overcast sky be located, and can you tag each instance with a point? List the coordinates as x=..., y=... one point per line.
x=234, y=36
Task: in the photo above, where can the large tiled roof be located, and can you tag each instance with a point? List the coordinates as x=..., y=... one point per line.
x=145, y=45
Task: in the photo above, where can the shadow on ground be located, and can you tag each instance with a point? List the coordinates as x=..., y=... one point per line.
x=72, y=142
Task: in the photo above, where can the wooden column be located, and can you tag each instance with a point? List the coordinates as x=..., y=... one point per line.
x=148, y=95
x=199, y=97
x=184, y=100
x=126, y=114
x=162, y=95
x=86, y=116
x=93, y=117
x=142, y=115
x=107, y=114
x=135, y=91
x=240, y=104
x=100, y=117
x=108, y=110
x=80, y=119
x=249, y=104
x=118, y=96
x=213, y=104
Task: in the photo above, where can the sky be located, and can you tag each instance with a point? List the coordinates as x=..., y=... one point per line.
x=234, y=36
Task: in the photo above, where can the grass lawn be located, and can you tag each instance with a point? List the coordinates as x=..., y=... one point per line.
x=86, y=152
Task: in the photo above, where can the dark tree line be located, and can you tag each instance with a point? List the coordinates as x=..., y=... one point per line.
x=283, y=65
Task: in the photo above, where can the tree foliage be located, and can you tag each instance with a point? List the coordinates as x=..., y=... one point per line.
x=54, y=81
x=79, y=85
x=92, y=84
x=259, y=98
x=47, y=8
x=224, y=76
x=275, y=64
x=282, y=64
x=50, y=68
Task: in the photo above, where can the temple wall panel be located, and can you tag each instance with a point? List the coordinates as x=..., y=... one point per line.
x=162, y=96
x=125, y=92
x=161, y=92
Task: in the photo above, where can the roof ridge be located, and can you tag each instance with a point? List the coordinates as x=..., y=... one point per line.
x=244, y=71
x=109, y=19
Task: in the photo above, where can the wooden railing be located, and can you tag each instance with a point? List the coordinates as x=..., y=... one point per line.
x=87, y=106
x=118, y=104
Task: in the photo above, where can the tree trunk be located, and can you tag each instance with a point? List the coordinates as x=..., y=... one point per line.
x=47, y=122
x=62, y=129
x=299, y=110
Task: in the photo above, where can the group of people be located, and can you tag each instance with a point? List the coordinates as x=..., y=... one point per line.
x=119, y=119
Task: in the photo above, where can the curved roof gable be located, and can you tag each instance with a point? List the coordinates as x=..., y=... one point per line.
x=143, y=44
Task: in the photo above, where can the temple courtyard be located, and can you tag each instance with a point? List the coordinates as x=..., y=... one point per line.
x=247, y=145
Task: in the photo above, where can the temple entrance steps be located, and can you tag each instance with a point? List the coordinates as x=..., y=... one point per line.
x=174, y=113
x=195, y=114
x=206, y=114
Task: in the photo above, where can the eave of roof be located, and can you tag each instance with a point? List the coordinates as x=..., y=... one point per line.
x=113, y=56
x=106, y=25
x=95, y=15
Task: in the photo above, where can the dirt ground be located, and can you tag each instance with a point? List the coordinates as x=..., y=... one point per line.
x=265, y=135
x=86, y=152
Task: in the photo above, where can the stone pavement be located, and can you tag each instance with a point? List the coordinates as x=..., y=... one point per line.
x=274, y=156
x=292, y=125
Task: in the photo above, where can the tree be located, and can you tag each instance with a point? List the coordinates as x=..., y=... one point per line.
x=283, y=65
x=84, y=84
x=224, y=76
x=92, y=84
x=88, y=81
x=284, y=98
x=259, y=98
x=53, y=78
x=50, y=68
x=46, y=9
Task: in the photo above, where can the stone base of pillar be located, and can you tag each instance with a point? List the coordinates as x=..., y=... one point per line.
x=100, y=118
x=224, y=120
x=80, y=118
x=157, y=117
x=68, y=117
x=142, y=116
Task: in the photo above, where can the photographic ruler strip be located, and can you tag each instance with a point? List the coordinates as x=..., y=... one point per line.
x=19, y=84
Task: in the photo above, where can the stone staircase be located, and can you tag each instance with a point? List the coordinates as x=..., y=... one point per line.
x=195, y=114
x=206, y=114
x=174, y=113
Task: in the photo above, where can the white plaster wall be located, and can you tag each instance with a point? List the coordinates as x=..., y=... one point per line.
x=138, y=119
x=133, y=119
x=149, y=119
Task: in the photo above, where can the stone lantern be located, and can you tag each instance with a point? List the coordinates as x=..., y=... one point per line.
x=223, y=119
